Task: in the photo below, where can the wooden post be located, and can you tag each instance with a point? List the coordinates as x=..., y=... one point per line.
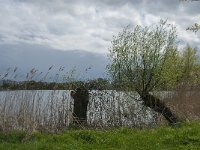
x=81, y=99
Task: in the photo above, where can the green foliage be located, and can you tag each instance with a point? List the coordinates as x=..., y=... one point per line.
x=190, y=67
x=145, y=58
x=185, y=136
x=12, y=137
x=195, y=27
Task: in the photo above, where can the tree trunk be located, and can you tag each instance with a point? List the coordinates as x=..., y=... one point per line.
x=160, y=107
x=81, y=99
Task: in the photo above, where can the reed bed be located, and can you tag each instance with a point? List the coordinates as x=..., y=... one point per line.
x=51, y=110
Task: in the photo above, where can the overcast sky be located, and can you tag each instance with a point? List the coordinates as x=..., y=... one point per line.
x=42, y=33
x=89, y=24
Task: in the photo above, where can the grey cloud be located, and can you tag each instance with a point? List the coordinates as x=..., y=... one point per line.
x=113, y=22
x=192, y=8
x=2, y=37
x=27, y=56
x=85, y=24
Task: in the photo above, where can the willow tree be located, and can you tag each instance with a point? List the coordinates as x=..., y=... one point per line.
x=144, y=58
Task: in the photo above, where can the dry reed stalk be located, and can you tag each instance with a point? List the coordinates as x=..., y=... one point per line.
x=186, y=103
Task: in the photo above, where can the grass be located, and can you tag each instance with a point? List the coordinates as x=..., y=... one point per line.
x=185, y=136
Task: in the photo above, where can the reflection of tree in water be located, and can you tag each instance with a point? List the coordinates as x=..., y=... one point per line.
x=81, y=99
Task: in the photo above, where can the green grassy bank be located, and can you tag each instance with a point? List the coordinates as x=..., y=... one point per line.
x=185, y=136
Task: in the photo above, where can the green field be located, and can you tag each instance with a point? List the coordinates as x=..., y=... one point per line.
x=185, y=136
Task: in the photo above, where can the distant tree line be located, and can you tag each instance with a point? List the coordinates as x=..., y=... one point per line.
x=95, y=84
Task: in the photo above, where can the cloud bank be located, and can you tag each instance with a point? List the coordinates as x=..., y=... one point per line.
x=87, y=24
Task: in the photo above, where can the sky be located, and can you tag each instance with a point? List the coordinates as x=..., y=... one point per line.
x=87, y=25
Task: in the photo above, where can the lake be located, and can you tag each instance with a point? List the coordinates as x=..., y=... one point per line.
x=52, y=109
